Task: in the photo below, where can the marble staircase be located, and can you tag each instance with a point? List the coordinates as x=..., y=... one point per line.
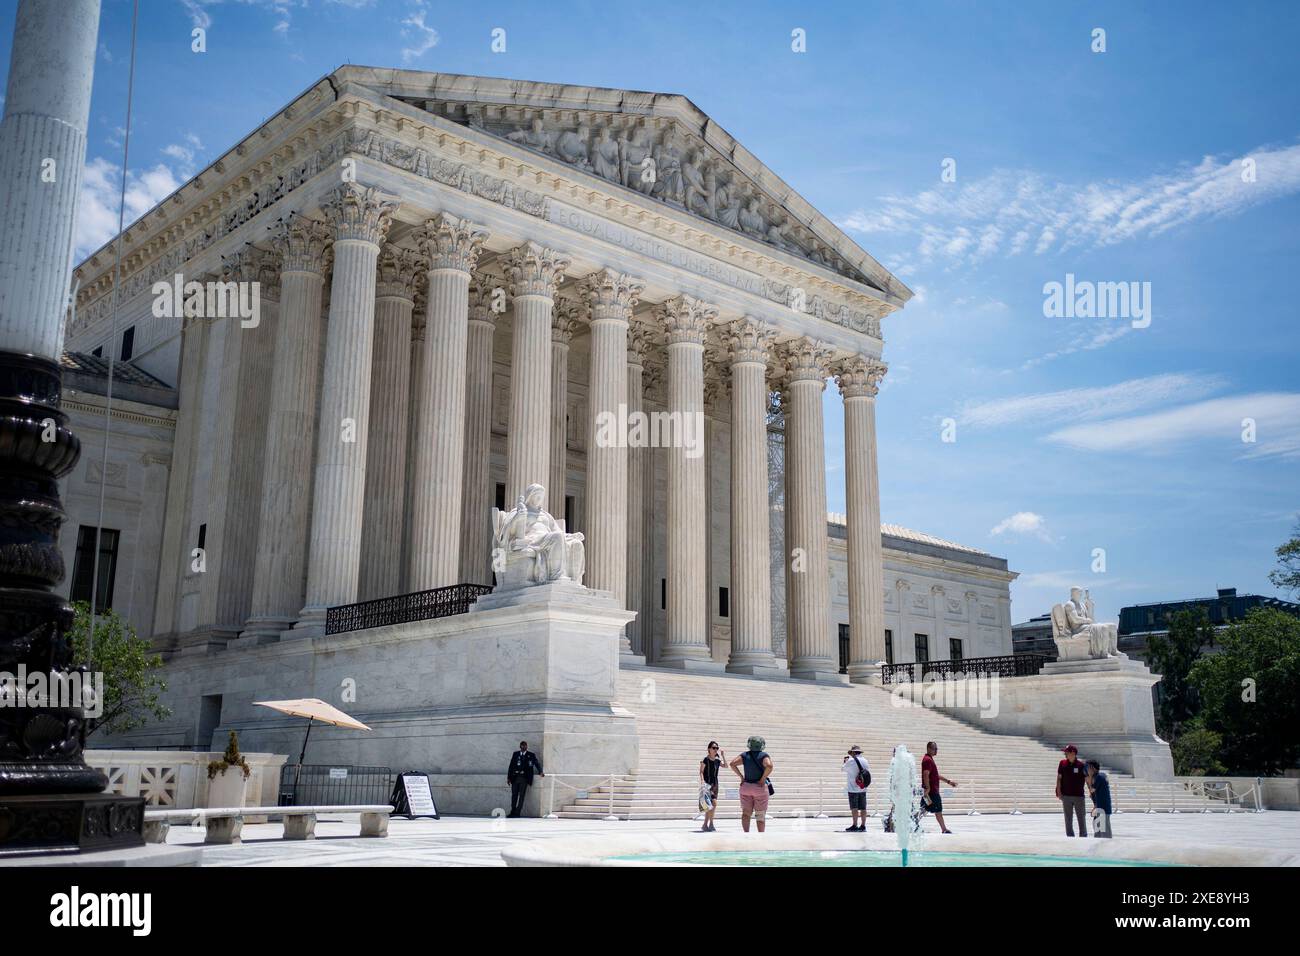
x=808, y=729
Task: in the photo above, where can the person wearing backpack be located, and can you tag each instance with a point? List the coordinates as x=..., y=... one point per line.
x=857, y=777
x=755, y=787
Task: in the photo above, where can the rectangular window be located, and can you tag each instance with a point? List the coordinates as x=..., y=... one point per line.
x=922, y=648
x=570, y=511
x=889, y=646
x=83, y=568
x=954, y=648
x=501, y=497
x=128, y=344
x=663, y=594
x=844, y=648
x=203, y=536
x=724, y=603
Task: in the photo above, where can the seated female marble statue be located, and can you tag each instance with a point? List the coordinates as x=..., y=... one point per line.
x=531, y=547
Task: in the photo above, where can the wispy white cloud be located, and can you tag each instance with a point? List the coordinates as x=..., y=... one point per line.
x=425, y=37
x=1271, y=419
x=1008, y=212
x=100, y=191
x=200, y=11
x=1122, y=398
x=1023, y=524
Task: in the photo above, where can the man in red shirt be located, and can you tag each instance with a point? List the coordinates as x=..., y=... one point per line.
x=1071, y=777
x=930, y=777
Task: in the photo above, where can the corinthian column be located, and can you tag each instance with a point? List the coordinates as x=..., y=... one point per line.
x=452, y=246
x=859, y=381
x=637, y=454
x=399, y=273
x=812, y=655
x=304, y=246
x=534, y=272
x=476, y=515
x=360, y=217
x=612, y=296
x=568, y=312
x=686, y=643
x=749, y=344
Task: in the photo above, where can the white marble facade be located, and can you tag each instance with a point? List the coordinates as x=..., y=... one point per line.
x=525, y=242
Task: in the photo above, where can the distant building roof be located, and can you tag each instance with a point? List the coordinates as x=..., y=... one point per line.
x=89, y=374
x=905, y=539
x=123, y=372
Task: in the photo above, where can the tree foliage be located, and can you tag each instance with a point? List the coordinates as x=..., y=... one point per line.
x=1172, y=656
x=133, y=684
x=1287, y=573
x=1250, y=693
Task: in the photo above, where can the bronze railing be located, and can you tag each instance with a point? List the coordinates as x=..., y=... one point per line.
x=1014, y=665
x=403, y=608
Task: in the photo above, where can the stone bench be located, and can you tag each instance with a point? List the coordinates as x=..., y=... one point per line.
x=224, y=824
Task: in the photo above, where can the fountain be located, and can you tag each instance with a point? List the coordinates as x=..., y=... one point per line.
x=903, y=794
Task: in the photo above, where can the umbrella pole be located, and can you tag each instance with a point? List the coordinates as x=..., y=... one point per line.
x=298, y=772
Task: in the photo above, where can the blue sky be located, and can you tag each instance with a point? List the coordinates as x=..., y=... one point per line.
x=1072, y=434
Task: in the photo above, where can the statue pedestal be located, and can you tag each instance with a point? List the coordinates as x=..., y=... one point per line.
x=1105, y=708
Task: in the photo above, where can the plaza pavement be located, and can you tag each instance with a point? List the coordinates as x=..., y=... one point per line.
x=478, y=841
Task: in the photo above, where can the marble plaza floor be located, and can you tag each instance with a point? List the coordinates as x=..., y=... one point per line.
x=476, y=841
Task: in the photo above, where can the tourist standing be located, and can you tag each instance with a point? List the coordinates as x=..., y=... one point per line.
x=754, y=785
x=523, y=764
x=857, y=777
x=1099, y=787
x=931, y=801
x=1071, y=775
x=709, y=767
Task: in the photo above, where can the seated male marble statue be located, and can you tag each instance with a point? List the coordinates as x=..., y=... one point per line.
x=1078, y=636
x=530, y=547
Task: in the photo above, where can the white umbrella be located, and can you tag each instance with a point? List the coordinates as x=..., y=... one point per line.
x=314, y=710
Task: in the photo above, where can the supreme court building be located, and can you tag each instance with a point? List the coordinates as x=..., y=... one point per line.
x=458, y=280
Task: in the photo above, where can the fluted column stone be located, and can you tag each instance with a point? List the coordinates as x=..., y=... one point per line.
x=686, y=644
x=360, y=217
x=859, y=381
x=749, y=345
x=452, y=246
x=568, y=313
x=399, y=274
x=304, y=246
x=476, y=514
x=637, y=454
x=535, y=273
x=813, y=654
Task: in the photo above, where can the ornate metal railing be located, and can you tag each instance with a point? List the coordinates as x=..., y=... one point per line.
x=403, y=608
x=1015, y=665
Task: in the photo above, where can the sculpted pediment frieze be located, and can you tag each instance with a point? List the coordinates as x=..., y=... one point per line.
x=657, y=158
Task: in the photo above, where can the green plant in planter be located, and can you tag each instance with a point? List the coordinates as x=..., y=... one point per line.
x=231, y=758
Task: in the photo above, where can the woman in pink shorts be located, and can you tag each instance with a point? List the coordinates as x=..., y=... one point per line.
x=753, y=783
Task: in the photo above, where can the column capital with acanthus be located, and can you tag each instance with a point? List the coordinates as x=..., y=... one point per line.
x=534, y=269
x=449, y=242
x=566, y=319
x=685, y=319
x=639, y=339
x=612, y=294
x=360, y=213
x=749, y=341
x=860, y=376
x=806, y=360
x=304, y=244
x=398, y=274
x=251, y=264
x=486, y=299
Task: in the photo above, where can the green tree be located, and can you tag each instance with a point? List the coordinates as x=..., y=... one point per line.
x=133, y=684
x=1172, y=656
x=1196, y=751
x=1250, y=693
x=1287, y=574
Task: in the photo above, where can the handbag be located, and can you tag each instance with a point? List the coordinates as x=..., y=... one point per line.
x=864, y=775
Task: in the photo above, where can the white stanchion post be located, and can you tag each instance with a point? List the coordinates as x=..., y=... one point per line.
x=1015, y=801
x=552, y=815
x=611, y=816
x=821, y=799
x=974, y=803
x=1173, y=799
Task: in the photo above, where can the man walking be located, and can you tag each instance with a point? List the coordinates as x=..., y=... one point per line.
x=1099, y=787
x=523, y=764
x=1071, y=776
x=931, y=802
x=857, y=777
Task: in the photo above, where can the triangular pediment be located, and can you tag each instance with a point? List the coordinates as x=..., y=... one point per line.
x=659, y=146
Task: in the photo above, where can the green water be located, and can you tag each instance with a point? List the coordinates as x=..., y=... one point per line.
x=869, y=858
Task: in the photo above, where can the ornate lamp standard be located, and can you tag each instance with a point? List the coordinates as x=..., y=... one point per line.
x=49, y=799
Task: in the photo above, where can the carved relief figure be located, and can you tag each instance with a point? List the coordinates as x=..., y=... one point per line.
x=535, y=137
x=751, y=220
x=633, y=154
x=604, y=156
x=572, y=147
x=697, y=196
x=668, y=167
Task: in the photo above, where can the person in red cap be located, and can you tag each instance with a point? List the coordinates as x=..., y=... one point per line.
x=1071, y=778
